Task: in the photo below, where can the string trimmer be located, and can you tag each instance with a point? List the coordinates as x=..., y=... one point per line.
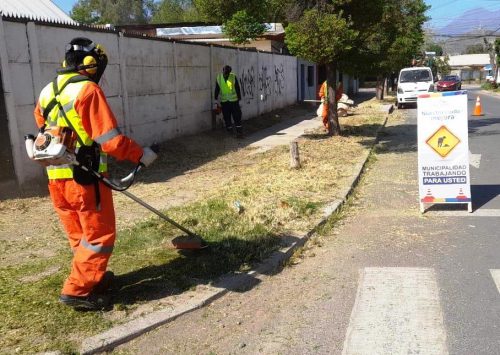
x=59, y=152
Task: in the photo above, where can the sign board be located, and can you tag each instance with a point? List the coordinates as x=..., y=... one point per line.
x=443, y=149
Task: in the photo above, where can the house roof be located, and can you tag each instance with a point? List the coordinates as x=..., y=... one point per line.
x=210, y=31
x=36, y=10
x=471, y=60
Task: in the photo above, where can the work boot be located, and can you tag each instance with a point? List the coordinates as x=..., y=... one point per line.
x=92, y=302
x=105, y=284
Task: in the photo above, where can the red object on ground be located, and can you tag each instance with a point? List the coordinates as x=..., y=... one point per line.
x=189, y=242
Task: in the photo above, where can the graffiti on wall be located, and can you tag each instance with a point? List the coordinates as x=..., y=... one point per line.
x=279, y=79
x=265, y=83
x=247, y=83
x=271, y=82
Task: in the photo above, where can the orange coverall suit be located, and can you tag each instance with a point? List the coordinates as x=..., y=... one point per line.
x=91, y=232
x=323, y=94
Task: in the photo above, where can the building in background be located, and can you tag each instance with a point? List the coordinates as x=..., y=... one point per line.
x=273, y=40
x=470, y=67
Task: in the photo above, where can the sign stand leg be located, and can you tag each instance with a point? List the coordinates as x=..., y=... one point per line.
x=469, y=207
x=422, y=208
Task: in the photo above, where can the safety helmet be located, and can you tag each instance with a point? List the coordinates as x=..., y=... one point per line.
x=81, y=54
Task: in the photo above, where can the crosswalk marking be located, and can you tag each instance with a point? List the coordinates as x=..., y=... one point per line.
x=474, y=159
x=495, y=273
x=396, y=311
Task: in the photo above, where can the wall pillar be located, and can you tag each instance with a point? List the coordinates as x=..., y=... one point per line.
x=10, y=107
x=122, y=50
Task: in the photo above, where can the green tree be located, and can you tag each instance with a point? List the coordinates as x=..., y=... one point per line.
x=220, y=11
x=434, y=47
x=442, y=65
x=242, y=28
x=175, y=11
x=323, y=35
x=116, y=12
x=84, y=12
x=358, y=37
x=243, y=20
x=404, y=35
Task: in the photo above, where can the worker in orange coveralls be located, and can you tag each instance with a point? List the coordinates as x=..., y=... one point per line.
x=83, y=203
x=323, y=94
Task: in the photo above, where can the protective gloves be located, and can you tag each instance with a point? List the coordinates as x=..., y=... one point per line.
x=148, y=156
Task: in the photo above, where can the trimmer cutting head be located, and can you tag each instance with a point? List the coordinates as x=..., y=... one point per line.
x=189, y=242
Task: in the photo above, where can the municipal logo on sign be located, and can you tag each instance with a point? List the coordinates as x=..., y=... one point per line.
x=443, y=141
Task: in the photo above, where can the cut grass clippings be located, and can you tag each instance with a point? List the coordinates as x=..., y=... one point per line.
x=246, y=203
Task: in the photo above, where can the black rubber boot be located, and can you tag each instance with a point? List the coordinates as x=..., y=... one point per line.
x=92, y=302
x=106, y=283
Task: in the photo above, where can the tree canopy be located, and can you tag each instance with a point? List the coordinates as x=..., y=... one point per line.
x=116, y=12
x=356, y=36
x=242, y=27
x=176, y=11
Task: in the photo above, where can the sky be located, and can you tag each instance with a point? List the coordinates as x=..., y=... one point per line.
x=67, y=5
x=442, y=11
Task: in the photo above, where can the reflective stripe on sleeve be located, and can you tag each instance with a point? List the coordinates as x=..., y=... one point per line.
x=96, y=248
x=107, y=136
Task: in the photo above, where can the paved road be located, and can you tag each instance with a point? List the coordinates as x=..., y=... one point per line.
x=386, y=280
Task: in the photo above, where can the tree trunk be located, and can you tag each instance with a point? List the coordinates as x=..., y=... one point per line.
x=380, y=87
x=333, y=118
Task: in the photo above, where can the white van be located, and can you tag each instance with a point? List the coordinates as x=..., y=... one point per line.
x=413, y=82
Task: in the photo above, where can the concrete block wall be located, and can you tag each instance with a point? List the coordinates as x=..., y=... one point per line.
x=157, y=89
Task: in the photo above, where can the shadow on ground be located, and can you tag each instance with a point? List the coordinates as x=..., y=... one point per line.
x=199, y=267
x=475, y=125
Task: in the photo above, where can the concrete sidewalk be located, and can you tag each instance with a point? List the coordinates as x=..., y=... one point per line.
x=284, y=134
x=150, y=316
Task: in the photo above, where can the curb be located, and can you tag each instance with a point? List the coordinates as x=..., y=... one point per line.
x=206, y=294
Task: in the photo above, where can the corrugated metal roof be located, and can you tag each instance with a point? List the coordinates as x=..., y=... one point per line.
x=37, y=10
x=274, y=28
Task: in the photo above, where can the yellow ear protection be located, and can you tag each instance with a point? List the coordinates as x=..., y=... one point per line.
x=90, y=63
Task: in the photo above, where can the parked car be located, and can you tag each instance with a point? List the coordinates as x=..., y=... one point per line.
x=413, y=82
x=449, y=83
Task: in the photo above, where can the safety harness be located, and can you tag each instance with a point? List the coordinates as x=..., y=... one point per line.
x=87, y=156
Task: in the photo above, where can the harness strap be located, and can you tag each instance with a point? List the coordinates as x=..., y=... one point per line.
x=53, y=102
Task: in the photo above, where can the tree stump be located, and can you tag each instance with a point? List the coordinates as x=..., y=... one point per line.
x=294, y=155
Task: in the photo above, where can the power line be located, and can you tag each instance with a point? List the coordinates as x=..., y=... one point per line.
x=471, y=36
